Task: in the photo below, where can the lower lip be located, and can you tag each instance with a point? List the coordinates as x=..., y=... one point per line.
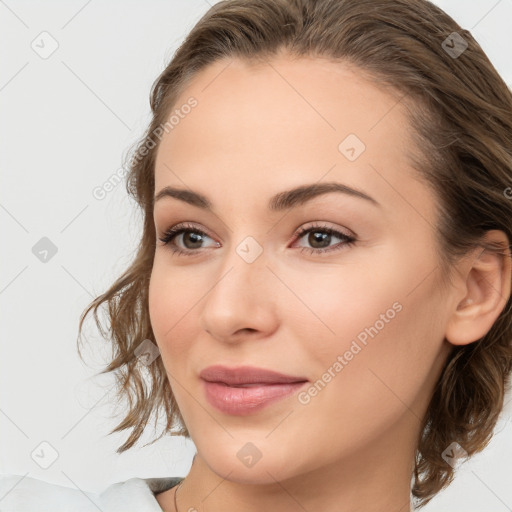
x=245, y=400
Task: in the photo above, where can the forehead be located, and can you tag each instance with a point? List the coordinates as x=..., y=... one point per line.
x=283, y=123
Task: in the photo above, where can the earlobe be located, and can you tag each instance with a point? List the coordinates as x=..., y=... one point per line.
x=487, y=290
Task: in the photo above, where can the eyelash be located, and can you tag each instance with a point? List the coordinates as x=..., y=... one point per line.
x=173, y=232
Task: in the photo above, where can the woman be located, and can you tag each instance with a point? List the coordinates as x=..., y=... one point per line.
x=321, y=296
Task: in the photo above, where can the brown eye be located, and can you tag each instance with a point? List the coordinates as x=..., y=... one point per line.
x=192, y=238
x=320, y=237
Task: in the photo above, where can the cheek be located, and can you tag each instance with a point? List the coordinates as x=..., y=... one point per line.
x=381, y=323
x=344, y=303
x=380, y=361
x=171, y=299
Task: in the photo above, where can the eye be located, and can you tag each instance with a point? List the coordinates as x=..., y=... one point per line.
x=190, y=234
x=320, y=237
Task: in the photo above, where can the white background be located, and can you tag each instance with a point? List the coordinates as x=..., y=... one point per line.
x=67, y=122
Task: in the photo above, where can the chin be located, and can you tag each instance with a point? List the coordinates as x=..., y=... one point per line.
x=252, y=463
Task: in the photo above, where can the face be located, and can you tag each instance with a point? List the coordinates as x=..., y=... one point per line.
x=341, y=289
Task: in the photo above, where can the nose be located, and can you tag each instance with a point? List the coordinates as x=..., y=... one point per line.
x=241, y=300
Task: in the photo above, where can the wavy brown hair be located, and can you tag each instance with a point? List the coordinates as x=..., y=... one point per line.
x=460, y=111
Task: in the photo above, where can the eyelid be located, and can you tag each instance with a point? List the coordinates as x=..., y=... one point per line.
x=321, y=225
x=187, y=226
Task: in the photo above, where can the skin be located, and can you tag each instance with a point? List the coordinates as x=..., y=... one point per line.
x=257, y=131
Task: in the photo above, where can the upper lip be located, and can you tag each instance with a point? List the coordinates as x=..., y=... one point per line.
x=246, y=375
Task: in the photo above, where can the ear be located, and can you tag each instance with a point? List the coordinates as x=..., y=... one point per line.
x=485, y=291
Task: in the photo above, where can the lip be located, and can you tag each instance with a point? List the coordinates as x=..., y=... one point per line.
x=246, y=389
x=246, y=375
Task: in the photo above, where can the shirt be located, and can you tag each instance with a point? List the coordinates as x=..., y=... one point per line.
x=27, y=494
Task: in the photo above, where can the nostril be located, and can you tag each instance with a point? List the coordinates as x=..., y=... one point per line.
x=247, y=329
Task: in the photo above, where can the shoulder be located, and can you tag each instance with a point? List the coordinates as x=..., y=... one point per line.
x=21, y=493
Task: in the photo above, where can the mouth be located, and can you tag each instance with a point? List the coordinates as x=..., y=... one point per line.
x=246, y=389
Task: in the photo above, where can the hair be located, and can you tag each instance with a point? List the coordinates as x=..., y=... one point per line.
x=460, y=111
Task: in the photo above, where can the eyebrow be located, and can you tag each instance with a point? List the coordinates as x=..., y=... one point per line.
x=279, y=202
